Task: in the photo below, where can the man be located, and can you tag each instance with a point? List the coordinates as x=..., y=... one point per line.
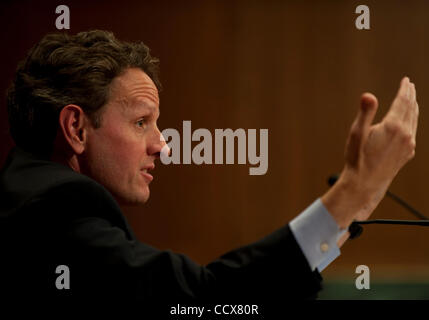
x=83, y=112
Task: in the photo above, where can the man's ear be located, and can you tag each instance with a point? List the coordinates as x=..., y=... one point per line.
x=73, y=124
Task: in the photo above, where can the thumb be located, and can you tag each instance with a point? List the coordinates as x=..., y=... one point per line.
x=367, y=111
x=360, y=127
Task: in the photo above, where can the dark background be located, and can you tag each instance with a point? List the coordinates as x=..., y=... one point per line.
x=296, y=68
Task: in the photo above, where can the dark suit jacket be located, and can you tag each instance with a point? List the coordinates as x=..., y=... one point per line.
x=51, y=215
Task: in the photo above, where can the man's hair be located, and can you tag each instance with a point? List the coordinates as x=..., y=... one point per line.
x=64, y=69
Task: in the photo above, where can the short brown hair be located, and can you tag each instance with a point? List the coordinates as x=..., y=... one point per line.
x=67, y=69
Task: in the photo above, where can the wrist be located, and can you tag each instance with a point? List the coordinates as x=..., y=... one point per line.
x=350, y=199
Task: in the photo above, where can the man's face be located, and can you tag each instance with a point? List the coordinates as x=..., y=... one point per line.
x=120, y=153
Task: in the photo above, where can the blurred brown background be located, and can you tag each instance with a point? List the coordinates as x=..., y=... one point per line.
x=296, y=68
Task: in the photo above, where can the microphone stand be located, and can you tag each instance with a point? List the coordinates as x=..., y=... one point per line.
x=356, y=228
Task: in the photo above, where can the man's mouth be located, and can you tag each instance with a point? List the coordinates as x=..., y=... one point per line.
x=146, y=174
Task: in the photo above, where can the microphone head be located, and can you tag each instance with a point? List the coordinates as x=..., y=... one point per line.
x=332, y=179
x=355, y=230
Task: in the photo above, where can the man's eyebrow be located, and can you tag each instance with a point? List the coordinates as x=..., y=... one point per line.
x=143, y=105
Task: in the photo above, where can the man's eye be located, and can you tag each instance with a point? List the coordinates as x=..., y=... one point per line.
x=140, y=123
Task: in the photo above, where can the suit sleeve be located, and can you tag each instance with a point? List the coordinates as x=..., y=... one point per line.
x=105, y=259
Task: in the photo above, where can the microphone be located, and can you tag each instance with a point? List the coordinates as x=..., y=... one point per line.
x=356, y=229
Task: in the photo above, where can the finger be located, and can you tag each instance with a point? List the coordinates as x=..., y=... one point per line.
x=415, y=121
x=367, y=111
x=403, y=86
x=409, y=89
x=410, y=106
x=412, y=91
x=399, y=106
x=360, y=127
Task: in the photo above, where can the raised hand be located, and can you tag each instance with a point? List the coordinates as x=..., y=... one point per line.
x=374, y=155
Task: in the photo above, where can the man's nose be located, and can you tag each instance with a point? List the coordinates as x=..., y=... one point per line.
x=159, y=146
x=165, y=149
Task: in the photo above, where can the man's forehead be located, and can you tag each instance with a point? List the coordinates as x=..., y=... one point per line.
x=136, y=87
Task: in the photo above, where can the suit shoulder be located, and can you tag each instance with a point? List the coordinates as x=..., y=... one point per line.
x=29, y=183
x=77, y=188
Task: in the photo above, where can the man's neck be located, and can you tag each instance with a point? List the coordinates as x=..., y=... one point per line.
x=67, y=160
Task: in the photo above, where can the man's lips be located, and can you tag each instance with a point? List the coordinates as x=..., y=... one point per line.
x=145, y=173
x=147, y=176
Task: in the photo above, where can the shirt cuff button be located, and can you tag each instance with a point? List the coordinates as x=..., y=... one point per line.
x=324, y=247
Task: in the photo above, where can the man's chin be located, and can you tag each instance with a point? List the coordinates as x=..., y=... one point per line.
x=133, y=200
